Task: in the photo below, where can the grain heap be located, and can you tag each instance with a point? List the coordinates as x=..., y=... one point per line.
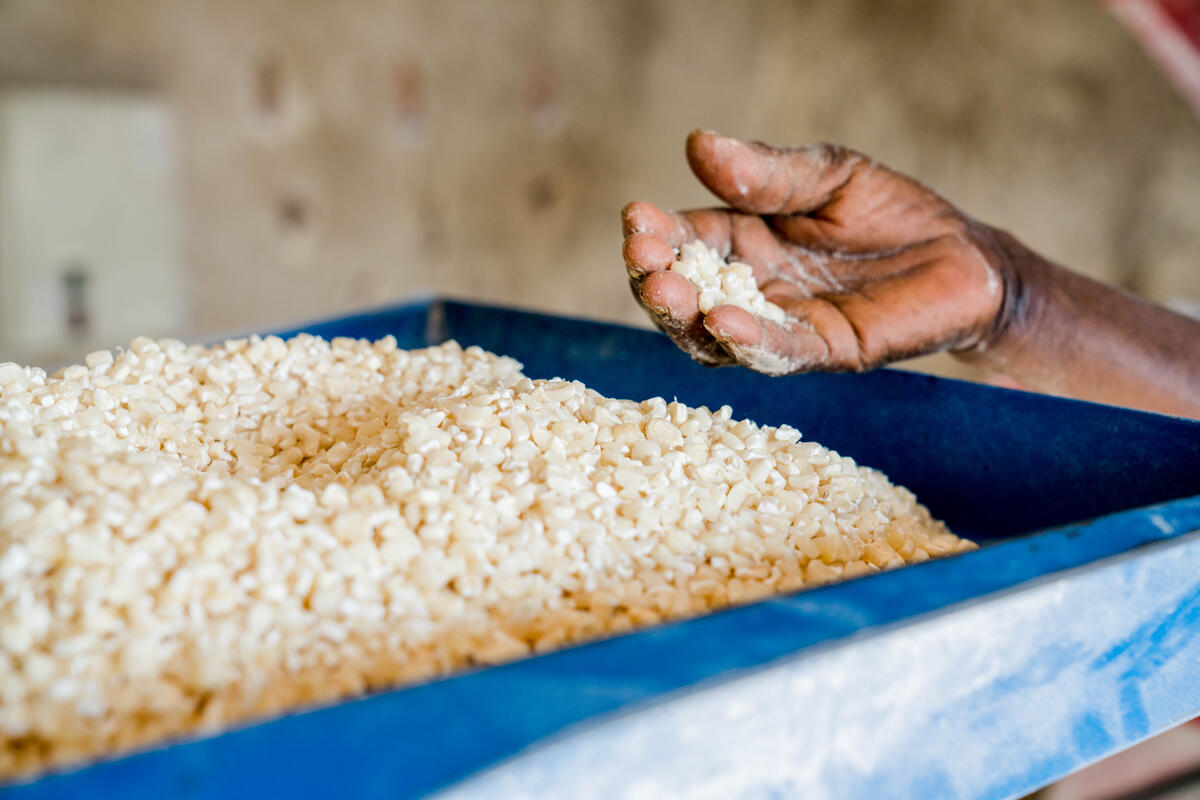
x=192, y=536
x=719, y=283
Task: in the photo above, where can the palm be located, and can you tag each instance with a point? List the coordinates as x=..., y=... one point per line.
x=870, y=265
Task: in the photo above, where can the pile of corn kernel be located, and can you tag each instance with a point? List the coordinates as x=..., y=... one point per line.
x=719, y=283
x=194, y=536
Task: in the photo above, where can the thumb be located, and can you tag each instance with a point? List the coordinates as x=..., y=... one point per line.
x=756, y=178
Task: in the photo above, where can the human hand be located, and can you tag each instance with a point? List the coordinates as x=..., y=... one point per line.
x=870, y=265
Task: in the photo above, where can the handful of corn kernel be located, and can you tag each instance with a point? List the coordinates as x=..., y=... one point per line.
x=719, y=283
x=195, y=536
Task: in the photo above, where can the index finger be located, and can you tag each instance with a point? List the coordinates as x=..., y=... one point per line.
x=653, y=236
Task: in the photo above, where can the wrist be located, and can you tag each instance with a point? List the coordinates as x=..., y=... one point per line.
x=1023, y=276
x=1063, y=333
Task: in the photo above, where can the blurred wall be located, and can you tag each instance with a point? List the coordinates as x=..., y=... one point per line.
x=338, y=155
x=89, y=230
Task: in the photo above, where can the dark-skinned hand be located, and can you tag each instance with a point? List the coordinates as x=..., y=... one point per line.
x=870, y=265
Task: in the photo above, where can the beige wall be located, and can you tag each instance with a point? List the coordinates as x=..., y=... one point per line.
x=542, y=119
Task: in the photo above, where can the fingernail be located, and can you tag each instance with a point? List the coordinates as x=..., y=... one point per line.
x=657, y=308
x=717, y=332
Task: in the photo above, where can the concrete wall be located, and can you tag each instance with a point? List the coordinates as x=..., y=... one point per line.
x=336, y=155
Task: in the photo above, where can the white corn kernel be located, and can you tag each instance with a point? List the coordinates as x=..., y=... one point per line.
x=719, y=283
x=273, y=524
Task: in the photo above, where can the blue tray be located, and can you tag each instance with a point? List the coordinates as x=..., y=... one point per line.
x=1068, y=636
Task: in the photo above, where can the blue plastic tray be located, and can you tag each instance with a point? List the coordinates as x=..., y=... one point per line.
x=984, y=675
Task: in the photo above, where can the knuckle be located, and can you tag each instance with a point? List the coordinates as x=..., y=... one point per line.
x=829, y=154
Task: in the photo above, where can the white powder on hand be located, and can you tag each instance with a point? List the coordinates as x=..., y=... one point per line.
x=719, y=283
x=191, y=537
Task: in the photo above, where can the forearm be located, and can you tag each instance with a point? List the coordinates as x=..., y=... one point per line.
x=1066, y=334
